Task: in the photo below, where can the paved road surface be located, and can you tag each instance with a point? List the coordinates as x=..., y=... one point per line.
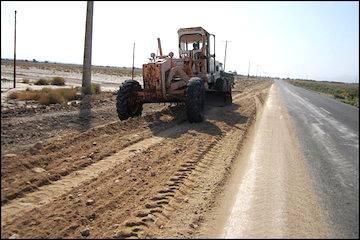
x=328, y=132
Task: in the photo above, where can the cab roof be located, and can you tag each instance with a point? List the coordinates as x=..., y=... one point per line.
x=192, y=30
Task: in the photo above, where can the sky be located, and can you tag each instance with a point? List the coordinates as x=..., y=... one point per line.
x=308, y=40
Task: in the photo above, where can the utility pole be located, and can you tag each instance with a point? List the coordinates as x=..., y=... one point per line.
x=225, y=52
x=249, y=69
x=15, y=52
x=86, y=78
x=132, y=72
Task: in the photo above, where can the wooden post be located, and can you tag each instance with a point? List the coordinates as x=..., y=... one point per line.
x=226, y=42
x=86, y=78
x=225, y=54
x=132, y=72
x=15, y=52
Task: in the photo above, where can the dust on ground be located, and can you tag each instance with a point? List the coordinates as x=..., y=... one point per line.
x=90, y=175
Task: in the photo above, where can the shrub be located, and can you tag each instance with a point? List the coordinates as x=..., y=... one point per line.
x=344, y=92
x=13, y=95
x=25, y=81
x=59, y=81
x=41, y=81
x=46, y=96
x=68, y=93
x=25, y=95
x=45, y=90
x=93, y=89
x=51, y=98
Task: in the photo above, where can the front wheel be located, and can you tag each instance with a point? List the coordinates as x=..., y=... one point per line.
x=127, y=104
x=195, y=99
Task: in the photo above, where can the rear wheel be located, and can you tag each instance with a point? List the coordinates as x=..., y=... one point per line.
x=195, y=100
x=223, y=86
x=127, y=104
x=228, y=98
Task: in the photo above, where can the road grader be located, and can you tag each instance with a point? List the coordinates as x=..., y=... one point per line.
x=178, y=80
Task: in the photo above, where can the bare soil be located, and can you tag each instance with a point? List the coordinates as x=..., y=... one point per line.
x=153, y=176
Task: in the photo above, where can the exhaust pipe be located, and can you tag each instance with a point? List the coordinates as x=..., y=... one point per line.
x=159, y=46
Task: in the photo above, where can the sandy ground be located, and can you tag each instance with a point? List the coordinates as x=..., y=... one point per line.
x=72, y=76
x=153, y=176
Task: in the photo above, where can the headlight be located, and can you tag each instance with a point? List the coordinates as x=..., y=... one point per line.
x=171, y=54
x=152, y=55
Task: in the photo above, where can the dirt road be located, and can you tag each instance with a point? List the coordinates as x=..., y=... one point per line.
x=125, y=179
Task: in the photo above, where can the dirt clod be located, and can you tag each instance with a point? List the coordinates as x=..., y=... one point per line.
x=14, y=236
x=91, y=216
x=38, y=170
x=90, y=202
x=38, y=145
x=10, y=155
x=34, y=151
x=85, y=232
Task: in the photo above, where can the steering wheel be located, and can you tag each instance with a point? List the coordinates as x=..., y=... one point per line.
x=183, y=55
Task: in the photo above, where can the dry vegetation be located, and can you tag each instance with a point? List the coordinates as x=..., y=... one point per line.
x=46, y=96
x=345, y=92
x=27, y=81
x=93, y=89
x=58, y=81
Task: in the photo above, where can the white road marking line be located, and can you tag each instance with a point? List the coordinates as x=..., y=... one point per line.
x=325, y=110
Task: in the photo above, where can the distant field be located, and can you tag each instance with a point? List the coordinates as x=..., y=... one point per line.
x=118, y=71
x=345, y=92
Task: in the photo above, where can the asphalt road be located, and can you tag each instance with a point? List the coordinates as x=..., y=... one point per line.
x=328, y=132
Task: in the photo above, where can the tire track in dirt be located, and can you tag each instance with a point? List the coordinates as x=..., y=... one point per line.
x=182, y=188
x=56, y=189
x=137, y=197
x=74, y=152
x=154, y=210
x=163, y=206
x=52, y=190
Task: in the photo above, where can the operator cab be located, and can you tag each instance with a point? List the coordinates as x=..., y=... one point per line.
x=194, y=44
x=192, y=41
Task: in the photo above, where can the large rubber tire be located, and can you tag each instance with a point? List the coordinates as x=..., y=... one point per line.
x=219, y=84
x=222, y=85
x=126, y=104
x=195, y=100
x=227, y=98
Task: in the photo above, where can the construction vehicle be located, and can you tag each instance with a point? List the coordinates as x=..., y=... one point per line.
x=178, y=80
